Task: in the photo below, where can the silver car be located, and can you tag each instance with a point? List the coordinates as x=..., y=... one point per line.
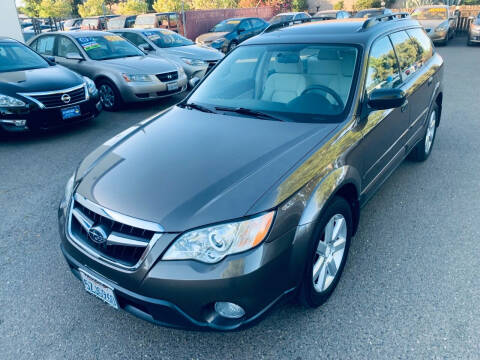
x=196, y=60
x=438, y=22
x=121, y=71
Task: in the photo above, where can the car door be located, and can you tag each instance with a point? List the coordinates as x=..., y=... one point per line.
x=65, y=47
x=245, y=30
x=384, y=131
x=413, y=52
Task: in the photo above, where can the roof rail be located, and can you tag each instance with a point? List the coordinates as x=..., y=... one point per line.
x=381, y=18
x=283, y=24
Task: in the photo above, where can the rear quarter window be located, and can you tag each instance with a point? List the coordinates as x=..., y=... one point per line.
x=407, y=53
x=423, y=42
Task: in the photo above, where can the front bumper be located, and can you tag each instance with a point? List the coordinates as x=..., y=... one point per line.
x=45, y=119
x=135, y=92
x=182, y=293
x=438, y=35
x=474, y=36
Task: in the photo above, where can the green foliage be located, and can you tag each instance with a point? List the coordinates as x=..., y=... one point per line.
x=339, y=5
x=55, y=8
x=213, y=4
x=30, y=8
x=170, y=5
x=471, y=2
x=366, y=4
x=132, y=7
x=299, y=5
x=90, y=8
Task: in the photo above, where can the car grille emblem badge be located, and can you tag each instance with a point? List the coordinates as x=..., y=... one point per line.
x=169, y=76
x=98, y=235
x=66, y=98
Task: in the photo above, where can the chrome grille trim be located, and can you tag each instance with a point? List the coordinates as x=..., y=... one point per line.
x=30, y=96
x=114, y=238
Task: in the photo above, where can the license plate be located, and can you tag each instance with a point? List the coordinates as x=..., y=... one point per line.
x=71, y=112
x=172, y=86
x=99, y=289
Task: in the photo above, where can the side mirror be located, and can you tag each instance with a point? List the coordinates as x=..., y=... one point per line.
x=50, y=58
x=193, y=82
x=240, y=30
x=145, y=47
x=383, y=99
x=74, y=56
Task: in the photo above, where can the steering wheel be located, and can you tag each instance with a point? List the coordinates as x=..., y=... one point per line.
x=326, y=89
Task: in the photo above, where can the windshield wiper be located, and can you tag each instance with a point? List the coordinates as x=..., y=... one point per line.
x=249, y=112
x=197, y=107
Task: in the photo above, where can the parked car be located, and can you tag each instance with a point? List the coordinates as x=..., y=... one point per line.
x=121, y=22
x=250, y=189
x=438, y=21
x=289, y=16
x=72, y=24
x=121, y=71
x=226, y=35
x=333, y=14
x=196, y=60
x=37, y=94
x=367, y=13
x=158, y=20
x=96, y=22
x=474, y=31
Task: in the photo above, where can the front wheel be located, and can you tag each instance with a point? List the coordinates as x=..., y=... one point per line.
x=109, y=95
x=232, y=46
x=423, y=149
x=327, y=254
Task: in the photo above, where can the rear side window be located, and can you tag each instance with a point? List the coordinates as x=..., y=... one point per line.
x=407, y=53
x=383, y=69
x=45, y=44
x=423, y=42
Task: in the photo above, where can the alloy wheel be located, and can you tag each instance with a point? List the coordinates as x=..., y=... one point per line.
x=107, y=96
x=430, y=132
x=329, y=253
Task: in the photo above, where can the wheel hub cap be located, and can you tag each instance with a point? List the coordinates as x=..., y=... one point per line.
x=430, y=132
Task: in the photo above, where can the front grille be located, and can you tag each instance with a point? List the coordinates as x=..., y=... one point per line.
x=125, y=255
x=166, y=77
x=52, y=100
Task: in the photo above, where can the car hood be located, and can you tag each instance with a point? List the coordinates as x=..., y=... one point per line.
x=44, y=79
x=139, y=64
x=431, y=24
x=188, y=168
x=194, y=52
x=211, y=36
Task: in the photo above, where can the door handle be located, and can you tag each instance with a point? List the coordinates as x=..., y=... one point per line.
x=430, y=80
x=404, y=106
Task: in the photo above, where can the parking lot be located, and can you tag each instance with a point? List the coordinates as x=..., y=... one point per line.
x=410, y=287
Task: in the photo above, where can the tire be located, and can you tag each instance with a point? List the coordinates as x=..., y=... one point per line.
x=469, y=43
x=109, y=95
x=423, y=149
x=315, y=290
x=232, y=45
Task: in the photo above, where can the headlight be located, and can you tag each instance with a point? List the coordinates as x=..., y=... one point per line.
x=219, y=41
x=137, y=78
x=92, y=89
x=441, y=27
x=181, y=71
x=8, y=101
x=194, y=62
x=211, y=244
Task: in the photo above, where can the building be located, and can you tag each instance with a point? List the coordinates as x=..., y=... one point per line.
x=9, y=23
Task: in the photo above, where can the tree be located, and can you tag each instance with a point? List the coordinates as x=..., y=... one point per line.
x=170, y=5
x=55, y=9
x=299, y=5
x=91, y=8
x=30, y=8
x=247, y=3
x=339, y=5
x=367, y=4
x=132, y=7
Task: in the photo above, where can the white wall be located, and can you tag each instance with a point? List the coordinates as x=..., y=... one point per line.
x=9, y=24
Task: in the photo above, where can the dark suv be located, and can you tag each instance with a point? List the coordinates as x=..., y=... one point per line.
x=250, y=190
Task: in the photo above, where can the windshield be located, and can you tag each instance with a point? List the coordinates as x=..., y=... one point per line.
x=166, y=38
x=225, y=26
x=331, y=15
x=430, y=14
x=108, y=47
x=292, y=82
x=368, y=13
x=280, y=18
x=17, y=57
x=145, y=20
x=116, y=23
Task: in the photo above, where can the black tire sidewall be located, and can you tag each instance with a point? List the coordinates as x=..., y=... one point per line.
x=118, y=99
x=308, y=296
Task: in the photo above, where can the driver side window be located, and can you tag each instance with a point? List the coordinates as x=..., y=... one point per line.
x=382, y=69
x=66, y=46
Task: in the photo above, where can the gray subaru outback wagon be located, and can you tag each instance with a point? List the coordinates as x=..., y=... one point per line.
x=249, y=191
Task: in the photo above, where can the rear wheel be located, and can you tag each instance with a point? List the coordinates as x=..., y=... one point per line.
x=327, y=254
x=109, y=95
x=423, y=149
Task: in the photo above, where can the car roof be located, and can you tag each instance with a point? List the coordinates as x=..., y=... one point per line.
x=78, y=33
x=346, y=31
x=5, y=39
x=328, y=11
x=290, y=13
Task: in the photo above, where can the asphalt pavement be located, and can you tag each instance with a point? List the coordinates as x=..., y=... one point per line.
x=410, y=289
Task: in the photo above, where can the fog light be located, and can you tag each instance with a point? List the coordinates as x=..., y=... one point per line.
x=229, y=310
x=18, y=123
